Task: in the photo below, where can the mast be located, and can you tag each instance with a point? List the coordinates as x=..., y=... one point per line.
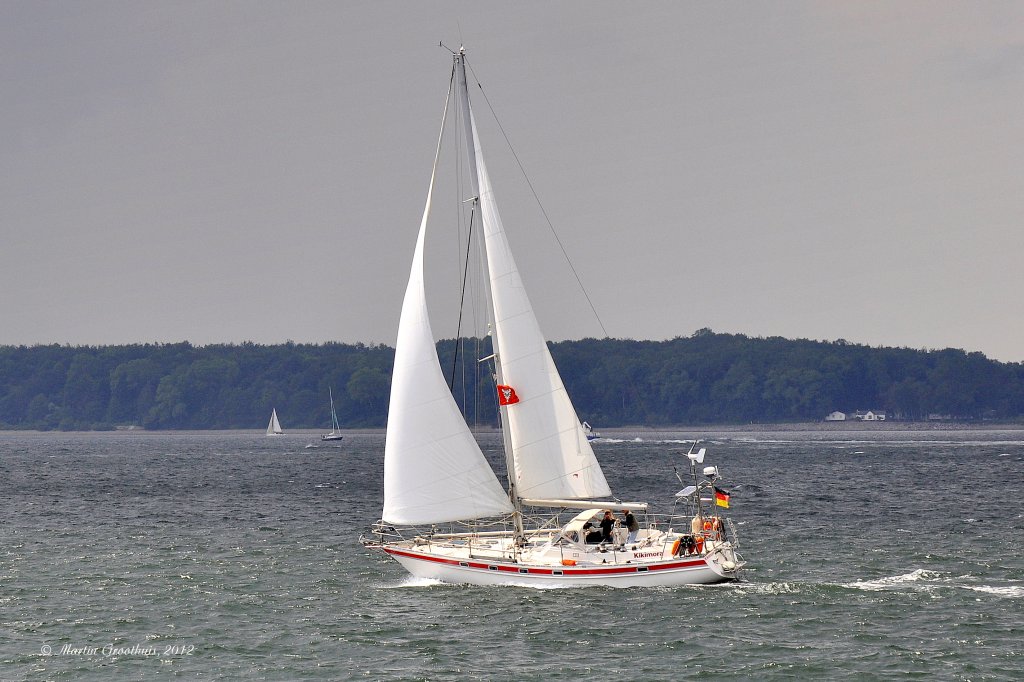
x=463, y=90
x=334, y=415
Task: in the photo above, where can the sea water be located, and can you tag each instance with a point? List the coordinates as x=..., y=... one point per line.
x=871, y=555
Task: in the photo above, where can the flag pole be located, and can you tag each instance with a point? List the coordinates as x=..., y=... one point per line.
x=696, y=485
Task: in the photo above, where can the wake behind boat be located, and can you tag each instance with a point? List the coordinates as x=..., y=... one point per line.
x=445, y=514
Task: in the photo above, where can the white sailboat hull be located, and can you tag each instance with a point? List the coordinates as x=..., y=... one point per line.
x=669, y=573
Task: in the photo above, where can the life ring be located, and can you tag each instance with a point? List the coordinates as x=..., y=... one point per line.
x=675, y=546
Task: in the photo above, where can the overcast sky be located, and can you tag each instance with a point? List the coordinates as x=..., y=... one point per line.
x=231, y=171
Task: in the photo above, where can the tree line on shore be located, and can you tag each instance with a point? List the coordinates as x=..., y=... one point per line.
x=705, y=378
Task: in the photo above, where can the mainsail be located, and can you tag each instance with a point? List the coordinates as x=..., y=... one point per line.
x=434, y=470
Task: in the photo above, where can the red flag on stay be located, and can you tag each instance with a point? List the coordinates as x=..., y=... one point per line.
x=507, y=395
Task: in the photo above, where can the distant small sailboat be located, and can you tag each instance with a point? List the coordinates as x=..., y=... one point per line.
x=335, y=433
x=274, y=428
x=589, y=432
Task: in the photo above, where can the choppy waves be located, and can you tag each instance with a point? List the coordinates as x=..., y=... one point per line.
x=870, y=566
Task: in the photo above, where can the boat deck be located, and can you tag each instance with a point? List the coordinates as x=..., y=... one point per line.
x=549, y=551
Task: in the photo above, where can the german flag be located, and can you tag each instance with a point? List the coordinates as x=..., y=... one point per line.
x=721, y=497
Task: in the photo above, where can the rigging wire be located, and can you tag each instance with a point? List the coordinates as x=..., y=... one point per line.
x=459, y=342
x=539, y=204
x=460, y=183
x=637, y=393
x=462, y=302
x=467, y=284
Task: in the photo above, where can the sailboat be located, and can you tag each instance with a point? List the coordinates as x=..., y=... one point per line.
x=274, y=427
x=589, y=431
x=335, y=433
x=445, y=514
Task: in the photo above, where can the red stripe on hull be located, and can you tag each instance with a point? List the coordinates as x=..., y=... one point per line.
x=516, y=568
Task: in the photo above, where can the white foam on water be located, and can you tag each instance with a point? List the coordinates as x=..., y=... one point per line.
x=765, y=588
x=542, y=586
x=1012, y=591
x=890, y=582
x=769, y=440
x=413, y=581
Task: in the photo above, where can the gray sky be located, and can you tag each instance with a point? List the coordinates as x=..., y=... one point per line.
x=230, y=171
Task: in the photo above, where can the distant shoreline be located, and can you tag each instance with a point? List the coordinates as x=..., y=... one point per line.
x=839, y=426
x=697, y=429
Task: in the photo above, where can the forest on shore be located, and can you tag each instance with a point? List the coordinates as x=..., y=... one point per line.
x=701, y=379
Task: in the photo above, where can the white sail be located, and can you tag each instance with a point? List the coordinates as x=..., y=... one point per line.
x=434, y=470
x=274, y=427
x=335, y=434
x=551, y=454
x=335, y=426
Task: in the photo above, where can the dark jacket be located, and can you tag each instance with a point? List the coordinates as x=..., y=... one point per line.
x=631, y=522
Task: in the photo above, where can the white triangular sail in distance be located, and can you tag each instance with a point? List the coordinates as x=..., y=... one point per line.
x=550, y=450
x=434, y=470
x=274, y=427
